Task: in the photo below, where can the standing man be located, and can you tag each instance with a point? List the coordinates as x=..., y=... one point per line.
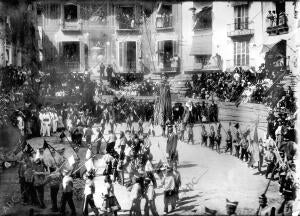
x=46, y=123
x=171, y=145
x=264, y=209
x=89, y=191
x=168, y=183
x=38, y=180
x=109, y=71
x=54, y=180
x=102, y=69
x=67, y=195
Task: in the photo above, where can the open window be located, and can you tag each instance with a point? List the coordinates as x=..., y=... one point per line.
x=241, y=17
x=71, y=13
x=126, y=17
x=127, y=56
x=166, y=52
x=164, y=16
x=203, y=19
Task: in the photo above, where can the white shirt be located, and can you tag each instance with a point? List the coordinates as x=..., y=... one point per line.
x=278, y=130
x=20, y=123
x=88, y=187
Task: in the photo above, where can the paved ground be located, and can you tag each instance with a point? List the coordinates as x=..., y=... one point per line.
x=212, y=177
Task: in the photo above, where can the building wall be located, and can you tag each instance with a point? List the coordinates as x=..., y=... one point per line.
x=147, y=36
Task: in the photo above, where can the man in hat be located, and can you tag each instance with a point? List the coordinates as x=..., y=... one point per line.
x=67, y=194
x=177, y=177
x=204, y=136
x=46, y=123
x=231, y=207
x=136, y=196
x=264, y=209
x=171, y=144
x=89, y=191
x=168, y=183
x=229, y=141
x=39, y=171
x=271, y=160
x=279, y=132
x=54, y=180
x=149, y=185
x=111, y=141
x=208, y=211
x=88, y=134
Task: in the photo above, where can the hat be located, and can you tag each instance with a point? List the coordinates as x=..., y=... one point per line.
x=231, y=204
x=263, y=199
x=208, y=211
x=237, y=125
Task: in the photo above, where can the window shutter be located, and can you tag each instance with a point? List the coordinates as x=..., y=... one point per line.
x=160, y=45
x=121, y=55
x=60, y=50
x=82, y=56
x=125, y=56
x=175, y=48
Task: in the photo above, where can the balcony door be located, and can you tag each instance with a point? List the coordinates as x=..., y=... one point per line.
x=70, y=55
x=241, y=17
x=127, y=56
x=166, y=51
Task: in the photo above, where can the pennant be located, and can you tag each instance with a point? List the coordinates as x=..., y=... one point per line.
x=28, y=149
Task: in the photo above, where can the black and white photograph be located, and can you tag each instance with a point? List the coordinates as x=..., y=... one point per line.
x=139, y=108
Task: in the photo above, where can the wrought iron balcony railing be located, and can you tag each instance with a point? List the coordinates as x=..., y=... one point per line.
x=75, y=25
x=164, y=22
x=240, y=29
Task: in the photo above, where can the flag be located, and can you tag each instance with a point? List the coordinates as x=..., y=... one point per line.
x=71, y=160
x=28, y=149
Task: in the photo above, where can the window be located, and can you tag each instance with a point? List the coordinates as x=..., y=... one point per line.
x=70, y=13
x=126, y=18
x=166, y=51
x=241, y=53
x=202, y=59
x=203, y=19
x=241, y=17
x=164, y=16
x=71, y=51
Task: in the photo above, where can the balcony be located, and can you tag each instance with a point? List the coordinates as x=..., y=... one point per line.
x=128, y=26
x=71, y=26
x=277, y=26
x=164, y=22
x=278, y=30
x=240, y=29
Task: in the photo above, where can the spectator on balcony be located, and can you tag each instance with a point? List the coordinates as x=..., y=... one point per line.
x=270, y=17
x=175, y=62
x=282, y=18
x=275, y=18
x=132, y=23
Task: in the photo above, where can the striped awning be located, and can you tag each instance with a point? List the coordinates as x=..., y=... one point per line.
x=202, y=45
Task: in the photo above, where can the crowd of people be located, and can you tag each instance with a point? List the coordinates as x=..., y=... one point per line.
x=68, y=84
x=129, y=153
x=229, y=86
